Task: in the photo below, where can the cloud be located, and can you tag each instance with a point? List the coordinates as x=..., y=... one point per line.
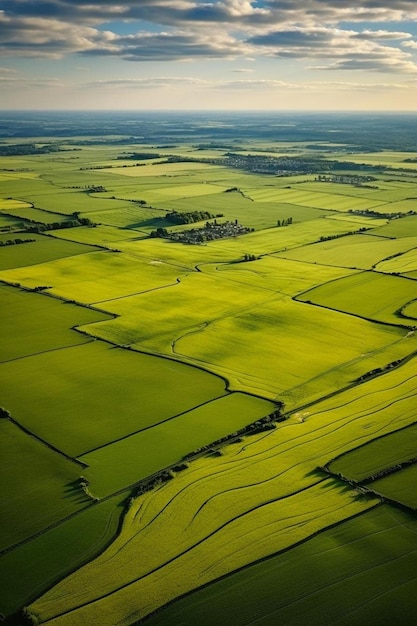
x=213, y=29
x=147, y=83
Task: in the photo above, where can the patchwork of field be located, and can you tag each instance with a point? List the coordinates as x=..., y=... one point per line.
x=380, y=454
x=367, y=576
x=93, y=383
x=140, y=379
x=83, y=279
x=261, y=496
x=358, y=251
x=400, y=264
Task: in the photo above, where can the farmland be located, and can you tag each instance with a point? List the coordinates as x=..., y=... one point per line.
x=213, y=433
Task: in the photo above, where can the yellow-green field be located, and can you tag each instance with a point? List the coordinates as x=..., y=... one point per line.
x=262, y=496
x=178, y=416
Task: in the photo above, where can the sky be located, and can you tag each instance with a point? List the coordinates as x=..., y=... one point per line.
x=303, y=55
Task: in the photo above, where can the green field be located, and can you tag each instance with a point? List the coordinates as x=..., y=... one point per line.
x=43, y=249
x=356, y=251
x=367, y=576
x=378, y=455
x=24, y=335
x=140, y=455
x=139, y=353
x=261, y=496
x=101, y=393
x=368, y=294
x=399, y=487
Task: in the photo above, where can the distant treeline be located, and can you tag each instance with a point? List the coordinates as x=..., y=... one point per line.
x=139, y=156
x=23, y=149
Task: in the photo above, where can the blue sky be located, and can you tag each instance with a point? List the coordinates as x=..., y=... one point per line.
x=213, y=54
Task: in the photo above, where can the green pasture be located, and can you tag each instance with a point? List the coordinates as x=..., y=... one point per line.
x=124, y=462
x=47, y=327
x=154, y=319
x=257, y=215
x=8, y=204
x=188, y=554
x=92, y=394
x=9, y=224
x=43, y=249
x=38, y=486
x=401, y=264
x=279, y=275
x=36, y=215
x=131, y=216
x=315, y=199
x=162, y=169
x=361, y=571
x=96, y=277
x=404, y=227
x=400, y=486
x=277, y=349
x=379, y=454
x=384, y=158
x=262, y=495
x=99, y=235
x=410, y=310
x=368, y=294
x=57, y=552
x=360, y=251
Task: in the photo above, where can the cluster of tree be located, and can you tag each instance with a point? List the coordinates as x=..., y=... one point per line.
x=284, y=222
x=14, y=242
x=139, y=156
x=95, y=189
x=23, y=149
x=380, y=370
x=249, y=257
x=347, y=179
x=160, y=232
x=40, y=227
x=351, y=232
x=388, y=216
x=189, y=217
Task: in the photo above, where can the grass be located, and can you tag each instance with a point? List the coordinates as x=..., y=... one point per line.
x=368, y=294
x=400, y=486
x=43, y=249
x=100, y=393
x=143, y=454
x=96, y=277
x=404, y=227
x=128, y=414
x=261, y=496
x=379, y=454
x=23, y=335
x=292, y=359
x=56, y=553
x=38, y=486
x=366, y=577
x=99, y=235
x=402, y=263
x=354, y=251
